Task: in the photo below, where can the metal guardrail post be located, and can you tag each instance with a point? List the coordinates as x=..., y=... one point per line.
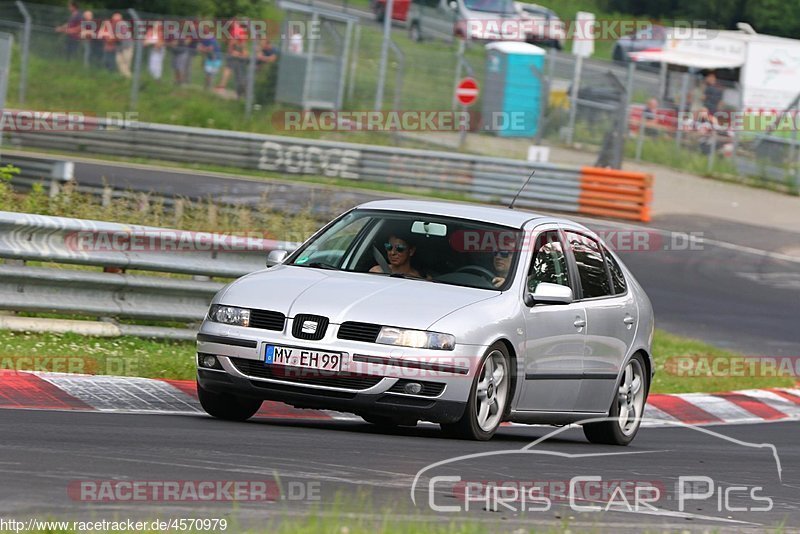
x=662, y=82
x=24, y=52
x=137, y=59
x=712, y=153
x=573, y=108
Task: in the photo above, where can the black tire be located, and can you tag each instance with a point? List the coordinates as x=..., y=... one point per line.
x=385, y=421
x=468, y=426
x=609, y=432
x=226, y=406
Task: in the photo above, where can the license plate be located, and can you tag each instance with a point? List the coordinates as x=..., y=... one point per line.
x=307, y=358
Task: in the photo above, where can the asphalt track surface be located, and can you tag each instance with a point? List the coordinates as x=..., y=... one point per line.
x=44, y=452
x=728, y=294
x=738, y=290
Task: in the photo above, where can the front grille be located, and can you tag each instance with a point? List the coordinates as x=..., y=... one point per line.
x=258, y=369
x=359, y=331
x=267, y=320
x=319, y=323
x=429, y=389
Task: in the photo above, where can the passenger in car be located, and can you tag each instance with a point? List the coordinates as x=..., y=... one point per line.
x=399, y=251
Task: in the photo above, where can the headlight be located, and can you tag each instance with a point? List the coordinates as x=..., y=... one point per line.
x=229, y=315
x=418, y=339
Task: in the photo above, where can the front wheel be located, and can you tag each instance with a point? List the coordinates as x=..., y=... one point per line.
x=226, y=406
x=627, y=408
x=488, y=398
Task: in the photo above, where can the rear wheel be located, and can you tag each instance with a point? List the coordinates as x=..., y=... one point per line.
x=626, y=409
x=227, y=406
x=488, y=398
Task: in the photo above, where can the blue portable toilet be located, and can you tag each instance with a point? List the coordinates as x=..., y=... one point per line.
x=512, y=93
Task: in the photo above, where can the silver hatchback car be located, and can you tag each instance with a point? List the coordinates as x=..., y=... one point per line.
x=462, y=315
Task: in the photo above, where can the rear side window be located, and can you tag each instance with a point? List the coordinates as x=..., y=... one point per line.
x=591, y=266
x=617, y=277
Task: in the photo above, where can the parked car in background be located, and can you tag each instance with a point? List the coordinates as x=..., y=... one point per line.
x=653, y=37
x=548, y=29
x=481, y=20
x=458, y=314
x=399, y=9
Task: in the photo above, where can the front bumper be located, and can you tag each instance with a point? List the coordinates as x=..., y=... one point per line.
x=370, y=382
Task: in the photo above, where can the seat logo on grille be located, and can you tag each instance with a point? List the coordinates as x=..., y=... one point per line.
x=309, y=327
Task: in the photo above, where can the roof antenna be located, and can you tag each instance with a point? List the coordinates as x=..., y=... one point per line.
x=511, y=206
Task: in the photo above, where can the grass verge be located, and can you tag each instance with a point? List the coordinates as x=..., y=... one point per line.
x=129, y=356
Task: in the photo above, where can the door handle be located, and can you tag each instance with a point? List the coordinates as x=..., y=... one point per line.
x=629, y=320
x=579, y=323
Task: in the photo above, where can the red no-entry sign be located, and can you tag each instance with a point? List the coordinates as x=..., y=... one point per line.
x=467, y=91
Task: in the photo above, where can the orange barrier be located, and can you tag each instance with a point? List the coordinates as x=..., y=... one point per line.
x=615, y=193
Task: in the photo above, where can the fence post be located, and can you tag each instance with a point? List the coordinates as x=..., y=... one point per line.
x=343, y=66
x=24, y=51
x=6, y=45
x=351, y=87
x=251, y=75
x=137, y=59
x=712, y=153
x=387, y=36
x=573, y=108
x=662, y=82
x=309, y=61
x=681, y=109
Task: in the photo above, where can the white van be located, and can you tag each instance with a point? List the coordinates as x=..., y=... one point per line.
x=485, y=20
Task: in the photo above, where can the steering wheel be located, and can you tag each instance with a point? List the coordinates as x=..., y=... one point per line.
x=477, y=270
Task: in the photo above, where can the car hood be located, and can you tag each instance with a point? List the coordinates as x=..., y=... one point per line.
x=347, y=296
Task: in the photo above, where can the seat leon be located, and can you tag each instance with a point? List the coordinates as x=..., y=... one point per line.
x=467, y=316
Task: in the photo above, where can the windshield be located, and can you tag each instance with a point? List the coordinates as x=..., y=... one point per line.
x=421, y=247
x=490, y=6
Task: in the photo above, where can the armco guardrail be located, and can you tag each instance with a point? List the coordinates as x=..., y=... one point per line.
x=554, y=187
x=77, y=241
x=120, y=247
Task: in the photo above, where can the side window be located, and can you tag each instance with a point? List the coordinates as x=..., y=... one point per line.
x=591, y=267
x=549, y=262
x=617, y=277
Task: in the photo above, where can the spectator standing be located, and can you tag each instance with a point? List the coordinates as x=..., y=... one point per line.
x=124, y=44
x=267, y=81
x=712, y=95
x=89, y=35
x=182, y=58
x=72, y=29
x=155, y=40
x=212, y=59
x=296, y=42
x=105, y=35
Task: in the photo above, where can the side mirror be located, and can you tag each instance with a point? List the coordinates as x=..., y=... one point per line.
x=275, y=257
x=547, y=293
x=453, y=5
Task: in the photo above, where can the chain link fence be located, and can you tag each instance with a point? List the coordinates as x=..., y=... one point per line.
x=633, y=111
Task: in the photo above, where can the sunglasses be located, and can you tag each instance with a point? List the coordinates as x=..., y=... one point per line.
x=397, y=248
x=503, y=253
